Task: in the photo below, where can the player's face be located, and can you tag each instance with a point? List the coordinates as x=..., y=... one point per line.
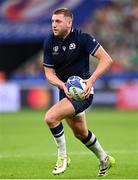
x=61, y=25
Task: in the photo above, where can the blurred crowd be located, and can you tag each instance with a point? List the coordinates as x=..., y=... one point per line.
x=32, y=70
x=115, y=27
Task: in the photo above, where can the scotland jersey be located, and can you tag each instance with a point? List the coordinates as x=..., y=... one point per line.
x=71, y=56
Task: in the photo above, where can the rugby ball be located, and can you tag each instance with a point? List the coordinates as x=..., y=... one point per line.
x=76, y=86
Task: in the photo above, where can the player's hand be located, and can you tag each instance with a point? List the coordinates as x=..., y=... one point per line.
x=66, y=91
x=88, y=87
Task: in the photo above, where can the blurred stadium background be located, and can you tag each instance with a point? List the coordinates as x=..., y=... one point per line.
x=25, y=24
x=25, y=94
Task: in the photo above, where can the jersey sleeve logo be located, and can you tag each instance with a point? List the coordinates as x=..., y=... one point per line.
x=72, y=46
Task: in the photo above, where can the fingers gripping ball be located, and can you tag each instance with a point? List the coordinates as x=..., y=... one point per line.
x=76, y=86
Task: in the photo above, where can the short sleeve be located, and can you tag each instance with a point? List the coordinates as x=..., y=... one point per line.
x=89, y=43
x=48, y=61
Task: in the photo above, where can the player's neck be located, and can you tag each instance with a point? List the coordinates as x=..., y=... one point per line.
x=66, y=34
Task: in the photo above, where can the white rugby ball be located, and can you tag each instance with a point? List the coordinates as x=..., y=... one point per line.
x=76, y=86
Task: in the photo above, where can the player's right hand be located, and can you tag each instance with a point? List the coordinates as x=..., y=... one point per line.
x=66, y=91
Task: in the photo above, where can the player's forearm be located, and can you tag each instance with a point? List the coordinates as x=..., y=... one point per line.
x=54, y=80
x=102, y=67
x=105, y=62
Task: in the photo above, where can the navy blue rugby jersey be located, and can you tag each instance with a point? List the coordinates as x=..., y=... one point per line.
x=71, y=56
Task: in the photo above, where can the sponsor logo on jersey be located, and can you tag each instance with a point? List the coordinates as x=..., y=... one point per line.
x=64, y=48
x=55, y=50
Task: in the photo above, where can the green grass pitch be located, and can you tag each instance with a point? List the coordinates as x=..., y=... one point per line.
x=27, y=149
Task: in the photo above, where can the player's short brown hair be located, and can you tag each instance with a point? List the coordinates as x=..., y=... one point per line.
x=64, y=11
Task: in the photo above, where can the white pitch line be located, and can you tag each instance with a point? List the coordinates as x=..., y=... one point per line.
x=72, y=179
x=76, y=153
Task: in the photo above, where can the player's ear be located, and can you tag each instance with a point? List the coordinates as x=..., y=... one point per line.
x=70, y=22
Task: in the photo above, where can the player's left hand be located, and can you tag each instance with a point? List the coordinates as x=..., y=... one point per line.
x=88, y=87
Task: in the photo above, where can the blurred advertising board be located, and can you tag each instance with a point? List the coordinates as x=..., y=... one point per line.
x=9, y=97
x=127, y=96
x=104, y=98
x=43, y=97
x=13, y=97
x=38, y=97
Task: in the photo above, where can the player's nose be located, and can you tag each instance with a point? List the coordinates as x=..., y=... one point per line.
x=54, y=24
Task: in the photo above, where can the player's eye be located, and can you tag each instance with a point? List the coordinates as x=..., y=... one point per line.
x=58, y=21
x=55, y=21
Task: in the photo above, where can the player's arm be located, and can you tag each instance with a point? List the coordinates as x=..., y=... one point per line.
x=54, y=80
x=49, y=66
x=105, y=62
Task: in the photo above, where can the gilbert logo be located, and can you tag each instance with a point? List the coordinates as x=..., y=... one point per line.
x=72, y=46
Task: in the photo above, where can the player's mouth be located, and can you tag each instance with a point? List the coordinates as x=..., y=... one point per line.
x=55, y=30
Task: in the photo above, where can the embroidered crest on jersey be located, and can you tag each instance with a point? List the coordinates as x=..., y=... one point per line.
x=72, y=46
